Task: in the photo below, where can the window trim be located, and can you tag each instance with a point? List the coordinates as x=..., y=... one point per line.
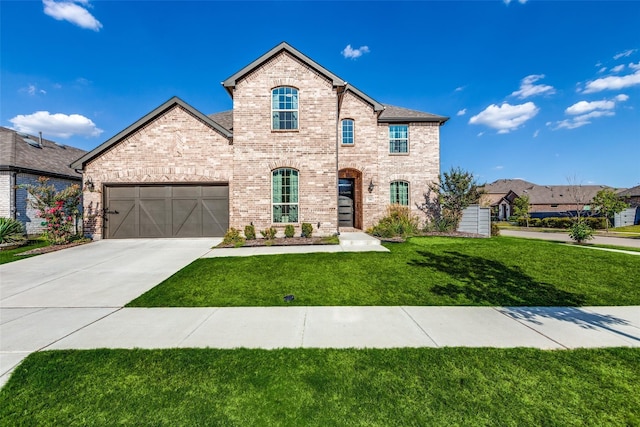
x=353, y=132
x=296, y=204
x=391, y=192
x=296, y=110
x=398, y=153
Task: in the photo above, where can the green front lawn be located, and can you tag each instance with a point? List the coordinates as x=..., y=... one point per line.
x=314, y=387
x=501, y=271
x=9, y=255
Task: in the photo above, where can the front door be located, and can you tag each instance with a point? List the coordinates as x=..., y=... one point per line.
x=346, y=211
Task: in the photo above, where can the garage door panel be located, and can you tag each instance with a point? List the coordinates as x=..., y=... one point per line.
x=121, y=218
x=168, y=211
x=187, y=218
x=215, y=216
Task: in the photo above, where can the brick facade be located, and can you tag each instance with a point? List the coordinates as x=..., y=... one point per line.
x=176, y=147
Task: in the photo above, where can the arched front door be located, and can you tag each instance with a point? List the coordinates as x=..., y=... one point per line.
x=350, y=198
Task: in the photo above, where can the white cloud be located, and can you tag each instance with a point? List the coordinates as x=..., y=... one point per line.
x=585, y=106
x=459, y=89
x=602, y=70
x=613, y=82
x=32, y=90
x=528, y=88
x=624, y=54
x=519, y=1
x=585, y=111
x=536, y=133
x=461, y=112
x=73, y=11
x=505, y=118
x=498, y=167
x=349, y=52
x=617, y=68
x=634, y=66
x=57, y=125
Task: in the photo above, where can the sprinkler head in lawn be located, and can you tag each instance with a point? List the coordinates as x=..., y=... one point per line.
x=288, y=298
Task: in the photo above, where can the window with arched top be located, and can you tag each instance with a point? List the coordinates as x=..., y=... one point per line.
x=399, y=193
x=348, y=126
x=284, y=195
x=284, y=108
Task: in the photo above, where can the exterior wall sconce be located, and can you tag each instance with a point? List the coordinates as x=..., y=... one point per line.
x=371, y=186
x=89, y=185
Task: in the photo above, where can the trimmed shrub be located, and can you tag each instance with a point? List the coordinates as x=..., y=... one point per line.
x=535, y=222
x=250, y=232
x=11, y=231
x=269, y=233
x=597, y=223
x=397, y=222
x=307, y=229
x=580, y=231
x=233, y=237
x=289, y=231
x=558, y=222
x=495, y=230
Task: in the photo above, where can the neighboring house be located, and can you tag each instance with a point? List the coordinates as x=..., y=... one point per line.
x=301, y=145
x=23, y=159
x=544, y=200
x=631, y=196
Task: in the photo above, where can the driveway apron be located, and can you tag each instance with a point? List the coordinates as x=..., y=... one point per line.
x=48, y=297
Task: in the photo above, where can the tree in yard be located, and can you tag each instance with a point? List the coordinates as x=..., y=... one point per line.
x=607, y=202
x=58, y=209
x=521, y=208
x=455, y=191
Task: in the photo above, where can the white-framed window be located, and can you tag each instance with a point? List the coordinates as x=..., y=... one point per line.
x=284, y=195
x=398, y=139
x=399, y=193
x=348, y=126
x=284, y=108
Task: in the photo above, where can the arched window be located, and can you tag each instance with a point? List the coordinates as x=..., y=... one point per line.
x=284, y=195
x=284, y=108
x=400, y=193
x=347, y=131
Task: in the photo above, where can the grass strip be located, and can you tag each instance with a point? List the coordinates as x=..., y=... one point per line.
x=7, y=256
x=313, y=387
x=501, y=271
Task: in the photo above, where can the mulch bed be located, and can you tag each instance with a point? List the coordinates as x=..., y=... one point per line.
x=281, y=241
x=51, y=248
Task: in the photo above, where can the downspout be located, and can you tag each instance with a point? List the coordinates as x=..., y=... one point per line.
x=14, y=195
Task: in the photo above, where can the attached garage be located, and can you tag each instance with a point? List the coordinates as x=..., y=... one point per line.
x=165, y=211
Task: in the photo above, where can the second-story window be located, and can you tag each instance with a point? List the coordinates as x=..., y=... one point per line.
x=398, y=139
x=284, y=108
x=347, y=131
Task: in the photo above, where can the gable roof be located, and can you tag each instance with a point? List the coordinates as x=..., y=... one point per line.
x=503, y=186
x=27, y=153
x=231, y=81
x=393, y=114
x=79, y=163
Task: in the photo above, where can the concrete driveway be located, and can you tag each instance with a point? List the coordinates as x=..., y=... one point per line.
x=48, y=297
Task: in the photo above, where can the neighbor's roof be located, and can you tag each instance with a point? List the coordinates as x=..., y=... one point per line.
x=630, y=192
x=503, y=186
x=24, y=153
x=79, y=163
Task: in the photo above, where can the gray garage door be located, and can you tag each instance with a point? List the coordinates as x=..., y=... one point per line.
x=166, y=211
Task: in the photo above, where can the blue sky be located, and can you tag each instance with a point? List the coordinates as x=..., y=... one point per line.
x=540, y=90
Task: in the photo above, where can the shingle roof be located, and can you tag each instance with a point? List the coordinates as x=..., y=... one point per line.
x=224, y=119
x=50, y=158
x=393, y=114
x=502, y=186
x=630, y=192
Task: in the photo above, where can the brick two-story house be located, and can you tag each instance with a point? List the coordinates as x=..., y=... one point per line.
x=300, y=145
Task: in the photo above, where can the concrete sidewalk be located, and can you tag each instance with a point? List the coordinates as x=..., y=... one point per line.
x=564, y=237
